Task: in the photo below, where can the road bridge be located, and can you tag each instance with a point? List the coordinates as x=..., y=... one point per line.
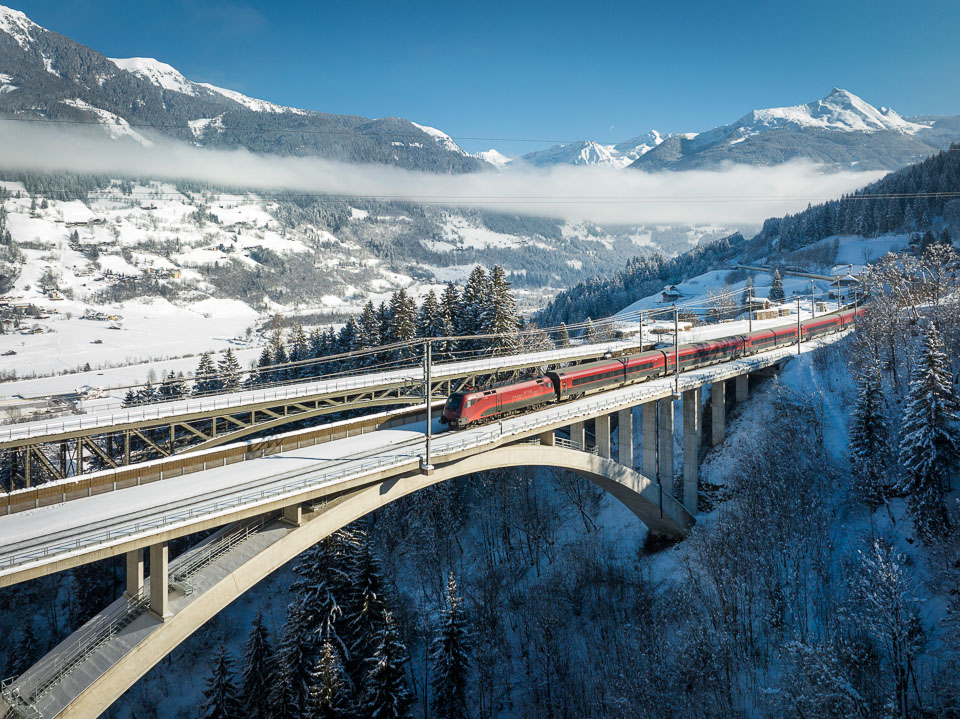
x=43, y=450
x=272, y=508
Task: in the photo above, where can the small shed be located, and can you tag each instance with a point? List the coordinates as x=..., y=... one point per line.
x=670, y=293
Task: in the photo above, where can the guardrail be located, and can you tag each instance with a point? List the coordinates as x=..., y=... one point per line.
x=631, y=395
x=50, y=671
x=206, y=554
x=175, y=408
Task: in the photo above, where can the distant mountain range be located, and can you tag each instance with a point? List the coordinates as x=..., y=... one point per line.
x=841, y=129
x=48, y=76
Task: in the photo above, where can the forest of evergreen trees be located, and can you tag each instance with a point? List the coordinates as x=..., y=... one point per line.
x=485, y=305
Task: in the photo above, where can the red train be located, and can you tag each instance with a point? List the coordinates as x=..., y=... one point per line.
x=468, y=408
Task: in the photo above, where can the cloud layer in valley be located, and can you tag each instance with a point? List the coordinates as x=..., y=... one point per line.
x=734, y=195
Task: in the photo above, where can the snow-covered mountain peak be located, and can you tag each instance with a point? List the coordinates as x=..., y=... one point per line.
x=156, y=72
x=841, y=111
x=590, y=152
x=441, y=138
x=494, y=157
x=18, y=26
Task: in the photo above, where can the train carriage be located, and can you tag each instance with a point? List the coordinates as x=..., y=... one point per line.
x=464, y=408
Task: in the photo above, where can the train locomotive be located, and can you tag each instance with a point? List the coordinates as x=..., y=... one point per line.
x=468, y=408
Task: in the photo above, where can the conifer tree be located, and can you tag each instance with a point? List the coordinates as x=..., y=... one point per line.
x=563, y=336
x=590, y=332
x=368, y=332
x=329, y=696
x=174, y=386
x=205, y=378
x=228, y=371
x=403, y=325
x=450, y=308
x=870, y=437
x=220, y=695
x=280, y=358
x=498, y=315
x=366, y=601
x=324, y=590
x=930, y=446
x=261, y=375
x=385, y=694
x=259, y=675
x=347, y=342
x=299, y=350
x=450, y=658
x=776, y=288
x=294, y=662
x=475, y=295
x=130, y=399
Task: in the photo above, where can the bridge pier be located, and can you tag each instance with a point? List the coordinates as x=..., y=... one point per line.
x=134, y=573
x=666, y=444
x=548, y=439
x=578, y=434
x=625, y=437
x=692, y=426
x=743, y=387
x=718, y=415
x=159, y=571
x=293, y=514
x=648, y=439
x=602, y=433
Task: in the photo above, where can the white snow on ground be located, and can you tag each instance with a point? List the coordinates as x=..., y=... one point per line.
x=115, y=125
x=441, y=138
x=495, y=158
x=156, y=72
x=251, y=102
x=18, y=26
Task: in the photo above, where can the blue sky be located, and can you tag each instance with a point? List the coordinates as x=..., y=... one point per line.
x=539, y=71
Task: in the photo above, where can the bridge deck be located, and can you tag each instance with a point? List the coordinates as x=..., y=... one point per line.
x=55, y=537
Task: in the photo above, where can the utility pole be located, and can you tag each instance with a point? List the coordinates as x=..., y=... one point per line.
x=676, y=350
x=798, y=324
x=813, y=299
x=425, y=465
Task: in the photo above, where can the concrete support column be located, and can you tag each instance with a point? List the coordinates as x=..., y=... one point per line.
x=743, y=387
x=691, y=447
x=293, y=514
x=648, y=440
x=159, y=568
x=602, y=433
x=134, y=573
x=666, y=445
x=578, y=434
x=625, y=437
x=718, y=416
x=547, y=439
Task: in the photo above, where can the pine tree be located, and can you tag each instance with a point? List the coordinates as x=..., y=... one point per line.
x=590, y=333
x=299, y=350
x=366, y=601
x=347, y=341
x=294, y=662
x=329, y=696
x=324, y=590
x=385, y=694
x=130, y=399
x=403, y=323
x=174, y=386
x=450, y=658
x=930, y=446
x=475, y=295
x=280, y=358
x=450, y=309
x=776, y=288
x=498, y=315
x=228, y=371
x=261, y=375
x=205, y=378
x=259, y=676
x=368, y=332
x=220, y=695
x=563, y=336
x=870, y=437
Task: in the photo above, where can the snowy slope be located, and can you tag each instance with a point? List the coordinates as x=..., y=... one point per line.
x=590, y=152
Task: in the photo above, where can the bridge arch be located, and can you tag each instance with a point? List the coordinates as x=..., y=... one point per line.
x=641, y=495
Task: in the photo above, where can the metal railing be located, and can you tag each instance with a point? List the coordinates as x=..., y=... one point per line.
x=207, y=554
x=238, y=400
x=48, y=672
x=634, y=394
